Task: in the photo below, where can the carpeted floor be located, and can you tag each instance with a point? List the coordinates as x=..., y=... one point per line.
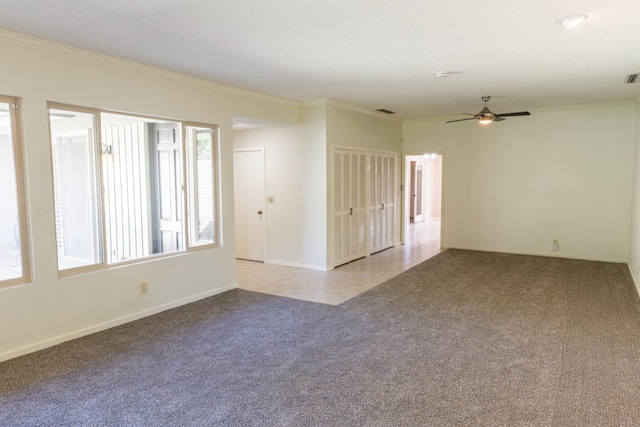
x=464, y=339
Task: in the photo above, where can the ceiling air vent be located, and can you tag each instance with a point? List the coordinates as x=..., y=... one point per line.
x=384, y=110
x=631, y=78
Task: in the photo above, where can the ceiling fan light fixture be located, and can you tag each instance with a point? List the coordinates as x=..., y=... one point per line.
x=572, y=21
x=485, y=116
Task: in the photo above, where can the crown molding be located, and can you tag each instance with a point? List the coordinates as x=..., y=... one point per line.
x=46, y=45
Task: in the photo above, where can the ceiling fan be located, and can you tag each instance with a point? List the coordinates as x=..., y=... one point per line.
x=486, y=116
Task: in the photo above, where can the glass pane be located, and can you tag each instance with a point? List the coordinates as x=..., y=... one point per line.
x=78, y=230
x=11, y=266
x=201, y=185
x=142, y=173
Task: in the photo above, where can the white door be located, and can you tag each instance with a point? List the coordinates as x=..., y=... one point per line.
x=349, y=206
x=169, y=187
x=417, y=178
x=249, y=195
x=382, y=171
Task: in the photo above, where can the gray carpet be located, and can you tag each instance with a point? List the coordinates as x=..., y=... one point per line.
x=465, y=338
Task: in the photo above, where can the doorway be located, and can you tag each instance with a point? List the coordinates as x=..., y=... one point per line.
x=416, y=195
x=249, y=196
x=423, y=194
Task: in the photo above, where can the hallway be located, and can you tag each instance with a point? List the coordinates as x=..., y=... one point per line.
x=345, y=282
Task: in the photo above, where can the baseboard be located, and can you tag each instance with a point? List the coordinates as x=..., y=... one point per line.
x=293, y=264
x=110, y=324
x=545, y=254
x=635, y=280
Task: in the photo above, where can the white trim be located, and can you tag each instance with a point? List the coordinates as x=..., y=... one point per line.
x=18, y=159
x=635, y=280
x=542, y=254
x=110, y=324
x=349, y=148
x=235, y=150
x=297, y=265
x=382, y=151
x=50, y=46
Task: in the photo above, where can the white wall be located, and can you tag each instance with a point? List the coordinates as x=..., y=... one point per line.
x=516, y=185
x=433, y=187
x=295, y=161
x=634, y=235
x=50, y=309
x=349, y=127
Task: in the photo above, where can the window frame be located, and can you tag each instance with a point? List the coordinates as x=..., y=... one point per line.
x=185, y=175
x=15, y=121
x=187, y=180
x=100, y=210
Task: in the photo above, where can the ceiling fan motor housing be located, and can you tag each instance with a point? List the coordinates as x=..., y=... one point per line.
x=485, y=113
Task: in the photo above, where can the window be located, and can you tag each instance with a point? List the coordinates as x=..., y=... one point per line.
x=141, y=166
x=201, y=160
x=76, y=185
x=13, y=242
x=138, y=162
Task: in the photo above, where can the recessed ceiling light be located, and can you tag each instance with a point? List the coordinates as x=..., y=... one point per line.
x=441, y=74
x=571, y=21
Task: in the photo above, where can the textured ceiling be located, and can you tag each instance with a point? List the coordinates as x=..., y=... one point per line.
x=367, y=53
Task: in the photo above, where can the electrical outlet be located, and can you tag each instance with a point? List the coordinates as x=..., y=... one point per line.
x=555, y=246
x=144, y=288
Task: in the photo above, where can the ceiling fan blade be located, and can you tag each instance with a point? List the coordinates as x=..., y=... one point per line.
x=498, y=119
x=520, y=113
x=460, y=120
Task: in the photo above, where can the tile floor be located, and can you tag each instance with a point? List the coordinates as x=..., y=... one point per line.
x=345, y=282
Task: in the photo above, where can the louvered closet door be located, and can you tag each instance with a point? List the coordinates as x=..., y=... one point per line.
x=382, y=172
x=350, y=207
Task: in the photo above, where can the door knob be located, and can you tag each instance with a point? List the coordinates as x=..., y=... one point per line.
x=260, y=212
